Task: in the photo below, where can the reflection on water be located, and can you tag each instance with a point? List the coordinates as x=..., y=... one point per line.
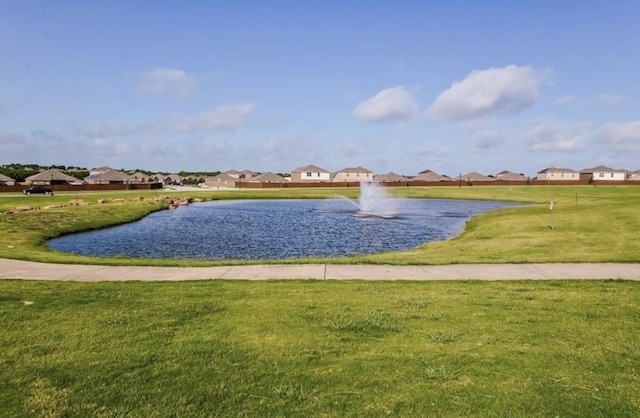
x=275, y=229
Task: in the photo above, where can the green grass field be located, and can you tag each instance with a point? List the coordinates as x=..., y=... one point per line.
x=310, y=348
x=332, y=348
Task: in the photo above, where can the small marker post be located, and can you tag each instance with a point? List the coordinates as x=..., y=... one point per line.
x=551, y=210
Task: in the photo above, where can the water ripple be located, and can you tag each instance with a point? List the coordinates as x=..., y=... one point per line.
x=275, y=229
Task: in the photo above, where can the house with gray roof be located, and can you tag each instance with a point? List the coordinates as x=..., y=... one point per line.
x=269, y=177
x=349, y=174
x=100, y=170
x=389, y=178
x=247, y=174
x=602, y=173
x=511, y=176
x=139, y=178
x=221, y=180
x=237, y=175
x=6, y=180
x=51, y=177
x=232, y=173
x=558, y=174
x=475, y=176
x=173, y=179
x=430, y=176
x=310, y=173
x=633, y=175
x=108, y=177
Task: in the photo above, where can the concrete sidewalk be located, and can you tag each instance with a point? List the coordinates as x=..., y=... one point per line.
x=16, y=269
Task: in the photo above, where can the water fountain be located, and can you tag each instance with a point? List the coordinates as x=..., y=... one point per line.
x=374, y=202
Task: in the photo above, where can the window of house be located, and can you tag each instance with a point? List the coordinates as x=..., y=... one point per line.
x=611, y=174
x=309, y=174
x=318, y=174
x=600, y=174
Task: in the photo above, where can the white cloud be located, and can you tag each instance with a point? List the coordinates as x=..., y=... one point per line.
x=270, y=146
x=223, y=118
x=482, y=134
x=394, y=103
x=553, y=136
x=485, y=92
x=611, y=99
x=489, y=139
x=564, y=100
x=121, y=148
x=625, y=135
x=167, y=81
x=430, y=155
x=149, y=146
x=105, y=147
x=12, y=142
x=351, y=150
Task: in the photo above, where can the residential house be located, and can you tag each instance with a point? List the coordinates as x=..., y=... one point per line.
x=628, y=173
x=389, y=178
x=221, y=180
x=95, y=172
x=430, y=176
x=511, y=176
x=139, y=178
x=167, y=179
x=633, y=176
x=232, y=173
x=352, y=174
x=602, y=173
x=100, y=170
x=173, y=179
x=6, y=180
x=237, y=175
x=310, y=173
x=247, y=175
x=475, y=176
x=269, y=177
x=558, y=174
x=51, y=177
x=108, y=177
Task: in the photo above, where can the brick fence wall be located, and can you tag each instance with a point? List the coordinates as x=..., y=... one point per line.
x=256, y=185
x=464, y=183
x=86, y=187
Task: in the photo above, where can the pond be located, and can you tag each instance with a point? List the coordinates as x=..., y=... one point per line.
x=276, y=229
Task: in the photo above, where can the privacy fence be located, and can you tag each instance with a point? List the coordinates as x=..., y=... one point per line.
x=290, y=185
x=85, y=187
x=463, y=183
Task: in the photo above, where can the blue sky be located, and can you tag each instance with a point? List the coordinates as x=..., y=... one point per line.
x=450, y=86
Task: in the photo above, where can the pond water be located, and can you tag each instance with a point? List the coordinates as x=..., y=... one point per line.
x=276, y=229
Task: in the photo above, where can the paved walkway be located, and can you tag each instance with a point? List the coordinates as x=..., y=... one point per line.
x=15, y=269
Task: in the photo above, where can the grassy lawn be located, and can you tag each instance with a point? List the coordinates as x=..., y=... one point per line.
x=312, y=348
x=591, y=224
x=332, y=348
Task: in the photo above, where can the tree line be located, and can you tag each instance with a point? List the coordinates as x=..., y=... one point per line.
x=19, y=172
